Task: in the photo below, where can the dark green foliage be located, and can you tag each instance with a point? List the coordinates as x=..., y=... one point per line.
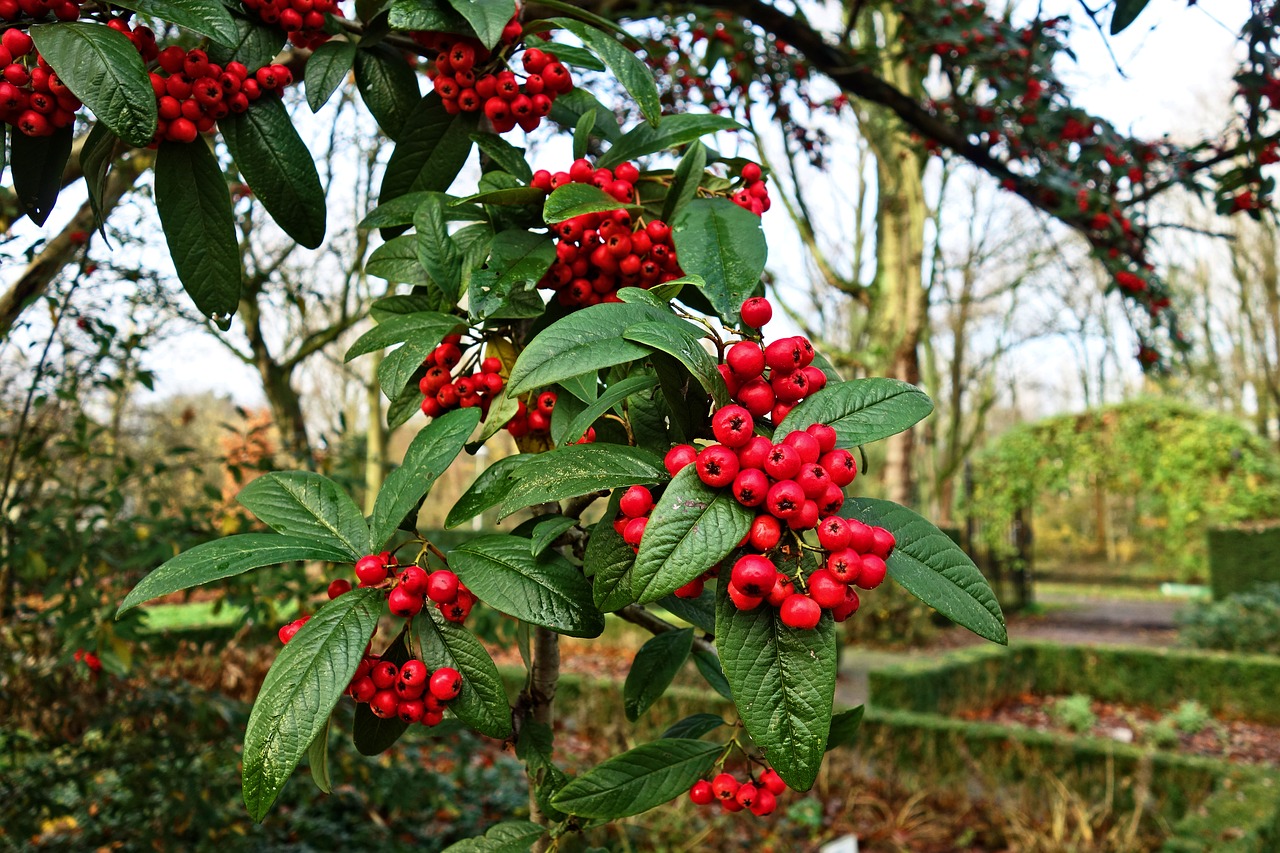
x=1243, y=622
x=1242, y=557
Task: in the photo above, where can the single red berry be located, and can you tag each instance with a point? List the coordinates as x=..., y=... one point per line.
x=678, y=457
x=833, y=533
x=772, y=782
x=732, y=426
x=845, y=564
x=765, y=533
x=547, y=402
x=826, y=436
x=861, y=536
x=414, y=671
x=882, y=542
x=786, y=499
x=701, y=793
x=725, y=787
x=636, y=502
x=743, y=601
x=814, y=480
x=717, y=466
x=693, y=589
x=410, y=711
x=757, y=396
x=286, y=632
x=840, y=465
x=873, y=572
x=801, y=612
x=404, y=603
x=750, y=487
x=826, y=588
x=363, y=689
x=805, y=444
x=370, y=570
x=745, y=359
x=782, y=588
x=848, y=607
x=634, y=531
x=751, y=173
x=413, y=579
x=783, y=462
x=756, y=311
x=746, y=795
x=753, y=575
x=754, y=452
x=384, y=704
x=806, y=518
x=765, y=803
x=339, y=587
x=446, y=683
x=384, y=674
x=442, y=586
x=783, y=356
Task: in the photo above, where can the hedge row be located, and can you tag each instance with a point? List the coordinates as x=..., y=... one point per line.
x=1242, y=557
x=1232, y=686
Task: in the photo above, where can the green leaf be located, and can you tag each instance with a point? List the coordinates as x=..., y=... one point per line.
x=547, y=531
x=433, y=148
x=569, y=108
x=199, y=226
x=655, y=665
x=692, y=527
x=318, y=760
x=255, y=45
x=844, y=728
x=102, y=68
x=608, y=560
x=783, y=681
x=388, y=86
x=224, y=558
x=513, y=836
x=699, y=612
x=487, y=491
x=683, y=342
x=582, y=134
x=570, y=200
x=326, y=69
x=482, y=704
x=546, y=590
x=399, y=211
x=96, y=156
x=684, y=185
x=612, y=397
x=930, y=566
x=580, y=469
x=36, y=165
x=418, y=326
x=725, y=245
x=427, y=15
x=861, y=411
x=278, y=168
x=675, y=130
x=709, y=666
x=397, y=261
x=432, y=450
x=507, y=196
x=301, y=689
x=639, y=779
x=694, y=726
x=628, y=68
x=203, y=17
x=303, y=503
x=374, y=735
x=436, y=250
x=1125, y=13
x=583, y=342
x=507, y=287
x=510, y=158
x=486, y=17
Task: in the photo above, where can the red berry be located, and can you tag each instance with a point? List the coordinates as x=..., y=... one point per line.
x=751, y=173
x=745, y=359
x=805, y=444
x=750, y=487
x=370, y=570
x=786, y=499
x=765, y=803
x=756, y=311
x=446, y=683
x=873, y=572
x=743, y=601
x=757, y=396
x=732, y=426
x=410, y=711
x=826, y=589
x=634, y=531
x=765, y=533
x=384, y=704
x=404, y=603
x=783, y=462
x=693, y=589
x=384, y=674
x=783, y=356
x=841, y=466
x=848, y=607
x=746, y=795
x=413, y=579
x=825, y=435
x=363, y=689
x=772, y=782
x=845, y=564
x=442, y=586
x=782, y=588
x=414, y=671
x=717, y=466
x=833, y=533
x=636, y=502
x=701, y=793
x=754, y=452
x=753, y=575
x=678, y=457
x=725, y=787
x=882, y=542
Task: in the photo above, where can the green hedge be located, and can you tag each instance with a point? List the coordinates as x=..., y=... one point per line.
x=1232, y=686
x=1242, y=557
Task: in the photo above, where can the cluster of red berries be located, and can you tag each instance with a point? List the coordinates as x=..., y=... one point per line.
x=753, y=195
x=89, y=659
x=193, y=93
x=63, y=10
x=537, y=420
x=409, y=691
x=302, y=20
x=768, y=381
x=599, y=253
x=760, y=797
x=441, y=392
x=32, y=98
x=471, y=79
x=415, y=586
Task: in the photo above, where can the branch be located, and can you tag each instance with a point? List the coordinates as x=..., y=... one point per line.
x=637, y=615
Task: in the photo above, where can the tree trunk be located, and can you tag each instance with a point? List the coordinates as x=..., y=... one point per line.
x=375, y=455
x=277, y=384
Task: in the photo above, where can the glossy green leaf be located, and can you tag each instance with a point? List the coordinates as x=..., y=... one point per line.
x=397, y=261
x=548, y=530
x=328, y=66
x=1125, y=13
x=613, y=396
x=374, y=735
x=583, y=342
x=570, y=200
x=427, y=15
x=388, y=86
x=301, y=689
x=436, y=250
x=36, y=166
x=207, y=18
x=482, y=704
x=546, y=590
x=582, y=134
x=699, y=612
x=303, y=503
x=844, y=728
x=418, y=326
x=580, y=469
x=227, y=557
x=433, y=148
x=627, y=67
x=507, y=287
x=684, y=184
x=639, y=779
x=861, y=411
x=96, y=156
x=783, y=681
x=725, y=245
x=195, y=211
x=487, y=491
x=608, y=559
x=683, y=342
x=692, y=527
x=709, y=667
x=675, y=130
x=486, y=17
x=512, y=836
x=399, y=211
x=569, y=108
x=695, y=726
x=278, y=168
x=510, y=158
x=655, y=665
x=318, y=760
x=507, y=196
x=103, y=69
x=929, y=565
x=256, y=44
x=432, y=450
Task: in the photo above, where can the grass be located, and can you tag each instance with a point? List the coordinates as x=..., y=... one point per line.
x=198, y=614
x=1111, y=592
